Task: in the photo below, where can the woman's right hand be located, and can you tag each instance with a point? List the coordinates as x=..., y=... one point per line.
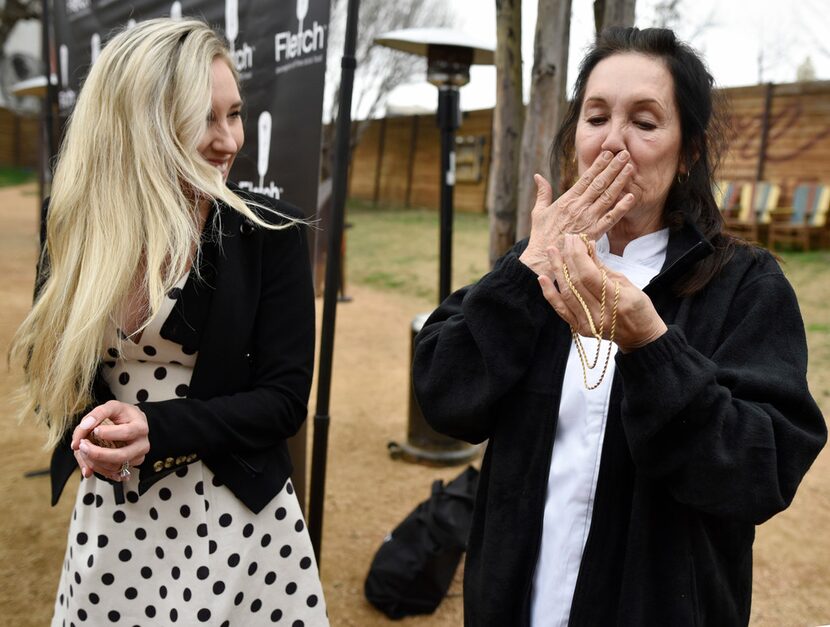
x=592, y=206
x=127, y=426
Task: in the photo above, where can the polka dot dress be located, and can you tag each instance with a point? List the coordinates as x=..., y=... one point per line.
x=187, y=551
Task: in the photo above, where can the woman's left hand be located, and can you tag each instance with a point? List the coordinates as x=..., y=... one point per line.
x=637, y=323
x=129, y=429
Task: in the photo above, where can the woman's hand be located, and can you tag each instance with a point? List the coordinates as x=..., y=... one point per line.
x=592, y=206
x=637, y=324
x=129, y=429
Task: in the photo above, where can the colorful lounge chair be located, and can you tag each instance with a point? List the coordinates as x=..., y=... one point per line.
x=806, y=222
x=758, y=200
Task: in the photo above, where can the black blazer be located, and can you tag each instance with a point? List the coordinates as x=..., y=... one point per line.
x=250, y=316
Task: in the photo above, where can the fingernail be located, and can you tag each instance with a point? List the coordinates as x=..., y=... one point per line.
x=623, y=156
x=606, y=155
x=95, y=432
x=87, y=422
x=84, y=446
x=628, y=168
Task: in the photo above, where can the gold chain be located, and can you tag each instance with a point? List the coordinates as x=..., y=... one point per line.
x=597, y=333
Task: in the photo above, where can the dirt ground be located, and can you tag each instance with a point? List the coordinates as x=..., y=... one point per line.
x=367, y=492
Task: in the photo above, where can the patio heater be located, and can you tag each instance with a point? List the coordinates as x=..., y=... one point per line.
x=449, y=56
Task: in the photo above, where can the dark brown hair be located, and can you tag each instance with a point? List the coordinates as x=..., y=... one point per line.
x=702, y=125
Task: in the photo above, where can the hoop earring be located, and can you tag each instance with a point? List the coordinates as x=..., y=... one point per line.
x=682, y=178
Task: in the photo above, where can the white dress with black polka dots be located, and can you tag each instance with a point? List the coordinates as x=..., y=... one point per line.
x=187, y=552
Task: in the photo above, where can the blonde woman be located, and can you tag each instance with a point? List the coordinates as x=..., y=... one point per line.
x=169, y=351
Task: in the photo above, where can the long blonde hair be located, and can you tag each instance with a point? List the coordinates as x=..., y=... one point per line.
x=123, y=205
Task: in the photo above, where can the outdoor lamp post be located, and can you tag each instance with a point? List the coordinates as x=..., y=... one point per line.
x=449, y=56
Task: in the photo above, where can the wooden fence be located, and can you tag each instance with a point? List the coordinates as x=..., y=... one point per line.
x=397, y=161
x=18, y=140
x=779, y=133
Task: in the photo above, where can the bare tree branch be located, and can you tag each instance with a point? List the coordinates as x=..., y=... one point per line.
x=812, y=16
x=379, y=69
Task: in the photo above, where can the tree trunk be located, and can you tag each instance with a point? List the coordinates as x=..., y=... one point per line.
x=548, y=83
x=508, y=116
x=613, y=13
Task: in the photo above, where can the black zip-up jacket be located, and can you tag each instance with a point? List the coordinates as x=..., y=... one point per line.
x=710, y=429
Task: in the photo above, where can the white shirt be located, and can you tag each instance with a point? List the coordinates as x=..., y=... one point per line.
x=574, y=467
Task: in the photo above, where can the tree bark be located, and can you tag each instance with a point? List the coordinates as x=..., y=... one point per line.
x=548, y=84
x=508, y=117
x=613, y=13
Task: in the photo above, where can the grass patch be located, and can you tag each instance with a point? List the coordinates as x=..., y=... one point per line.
x=15, y=176
x=809, y=272
x=397, y=249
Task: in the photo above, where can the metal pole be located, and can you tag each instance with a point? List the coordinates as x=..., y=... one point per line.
x=449, y=114
x=48, y=105
x=341, y=169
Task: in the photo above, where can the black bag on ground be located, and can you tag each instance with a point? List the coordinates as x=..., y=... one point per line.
x=414, y=566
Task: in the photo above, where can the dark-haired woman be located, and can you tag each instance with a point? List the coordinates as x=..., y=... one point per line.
x=639, y=374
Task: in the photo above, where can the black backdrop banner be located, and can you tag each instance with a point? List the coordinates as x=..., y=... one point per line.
x=280, y=51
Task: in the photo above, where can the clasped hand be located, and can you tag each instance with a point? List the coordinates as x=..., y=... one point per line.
x=562, y=237
x=636, y=321
x=128, y=431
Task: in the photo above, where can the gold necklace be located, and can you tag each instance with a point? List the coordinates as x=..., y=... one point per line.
x=595, y=332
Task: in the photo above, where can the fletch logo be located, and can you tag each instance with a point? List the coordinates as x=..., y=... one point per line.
x=66, y=96
x=94, y=47
x=243, y=58
x=77, y=6
x=263, y=157
x=293, y=50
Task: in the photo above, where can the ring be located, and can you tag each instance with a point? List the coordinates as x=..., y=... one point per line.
x=124, y=473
